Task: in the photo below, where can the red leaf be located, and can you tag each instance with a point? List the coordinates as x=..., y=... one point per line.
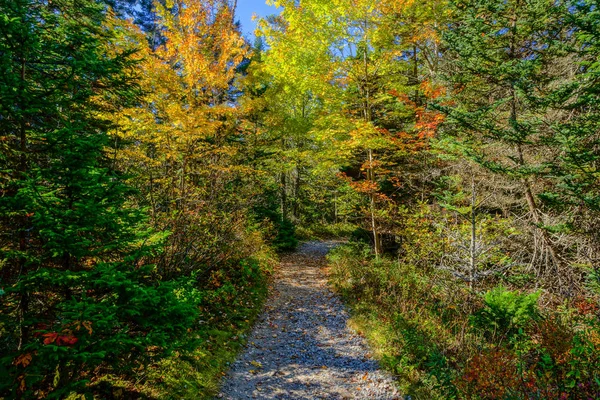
x=67, y=340
x=23, y=359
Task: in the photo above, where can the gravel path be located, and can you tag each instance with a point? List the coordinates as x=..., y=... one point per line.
x=301, y=346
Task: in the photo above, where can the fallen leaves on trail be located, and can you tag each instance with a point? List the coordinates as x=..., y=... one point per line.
x=302, y=346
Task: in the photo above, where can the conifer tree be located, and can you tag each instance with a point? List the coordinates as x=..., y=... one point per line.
x=499, y=68
x=576, y=192
x=577, y=137
x=76, y=291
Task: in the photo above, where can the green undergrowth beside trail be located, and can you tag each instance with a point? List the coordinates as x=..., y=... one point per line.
x=229, y=306
x=358, y=278
x=325, y=231
x=443, y=340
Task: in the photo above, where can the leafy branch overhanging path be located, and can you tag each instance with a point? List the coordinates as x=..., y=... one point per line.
x=302, y=347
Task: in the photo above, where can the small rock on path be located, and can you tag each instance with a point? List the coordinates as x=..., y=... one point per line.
x=301, y=346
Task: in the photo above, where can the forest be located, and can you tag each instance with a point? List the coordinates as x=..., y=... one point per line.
x=155, y=163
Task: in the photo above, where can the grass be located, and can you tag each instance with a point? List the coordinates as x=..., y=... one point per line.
x=444, y=341
x=371, y=290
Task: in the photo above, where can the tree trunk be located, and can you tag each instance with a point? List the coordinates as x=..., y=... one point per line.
x=370, y=171
x=296, y=208
x=473, y=250
x=376, y=238
x=335, y=208
x=283, y=197
x=24, y=300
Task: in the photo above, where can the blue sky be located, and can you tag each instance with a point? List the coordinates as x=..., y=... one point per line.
x=245, y=9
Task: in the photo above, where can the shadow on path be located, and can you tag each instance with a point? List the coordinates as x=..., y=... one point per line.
x=301, y=346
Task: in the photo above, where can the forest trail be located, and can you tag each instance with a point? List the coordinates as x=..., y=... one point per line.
x=301, y=346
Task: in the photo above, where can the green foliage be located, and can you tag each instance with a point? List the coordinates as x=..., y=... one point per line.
x=325, y=231
x=577, y=137
x=443, y=342
x=360, y=235
x=506, y=312
x=78, y=291
x=81, y=296
x=502, y=113
x=584, y=362
x=119, y=319
x=109, y=135
x=282, y=231
x=593, y=280
x=389, y=305
x=285, y=239
x=228, y=307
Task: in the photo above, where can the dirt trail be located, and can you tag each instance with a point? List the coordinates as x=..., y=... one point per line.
x=301, y=346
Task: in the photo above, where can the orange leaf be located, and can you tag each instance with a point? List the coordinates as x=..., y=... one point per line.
x=22, y=386
x=23, y=359
x=88, y=325
x=50, y=337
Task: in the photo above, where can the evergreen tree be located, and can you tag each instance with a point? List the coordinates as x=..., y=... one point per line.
x=76, y=293
x=577, y=137
x=500, y=69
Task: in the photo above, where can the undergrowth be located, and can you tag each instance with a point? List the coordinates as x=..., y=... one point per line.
x=228, y=307
x=443, y=340
x=324, y=231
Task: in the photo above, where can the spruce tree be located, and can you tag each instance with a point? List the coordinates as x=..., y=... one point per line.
x=76, y=294
x=577, y=137
x=576, y=193
x=500, y=58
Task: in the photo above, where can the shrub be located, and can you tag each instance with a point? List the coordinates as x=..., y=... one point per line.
x=506, y=312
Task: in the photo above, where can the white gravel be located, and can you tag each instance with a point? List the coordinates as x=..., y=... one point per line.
x=301, y=346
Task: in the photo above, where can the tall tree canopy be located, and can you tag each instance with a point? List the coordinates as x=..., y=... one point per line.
x=152, y=160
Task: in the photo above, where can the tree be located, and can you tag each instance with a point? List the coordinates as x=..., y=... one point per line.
x=575, y=167
x=77, y=290
x=475, y=238
x=501, y=59
x=185, y=145
x=352, y=58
